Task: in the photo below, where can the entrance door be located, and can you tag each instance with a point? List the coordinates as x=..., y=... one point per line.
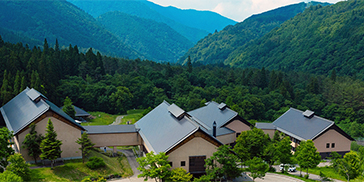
x=197, y=164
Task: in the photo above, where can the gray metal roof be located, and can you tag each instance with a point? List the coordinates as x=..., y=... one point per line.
x=33, y=94
x=175, y=110
x=211, y=112
x=106, y=129
x=294, y=123
x=80, y=112
x=267, y=126
x=162, y=131
x=22, y=110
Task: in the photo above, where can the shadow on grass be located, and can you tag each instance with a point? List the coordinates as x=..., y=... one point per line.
x=69, y=172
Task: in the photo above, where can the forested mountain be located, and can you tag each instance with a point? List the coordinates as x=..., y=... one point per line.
x=153, y=39
x=318, y=40
x=59, y=19
x=99, y=83
x=204, y=20
x=216, y=48
x=193, y=29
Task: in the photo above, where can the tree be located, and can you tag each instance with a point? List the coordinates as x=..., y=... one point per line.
x=18, y=166
x=50, y=146
x=154, y=166
x=350, y=165
x=86, y=145
x=179, y=174
x=32, y=143
x=257, y=168
x=284, y=151
x=5, y=147
x=223, y=163
x=251, y=144
x=189, y=64
x=10, y=176
x=68, y=108
x=307, y=155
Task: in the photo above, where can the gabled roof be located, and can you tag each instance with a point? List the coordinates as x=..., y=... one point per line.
x=295, y=123
x=266, y=126
x=80, y=112
x=26, y=107
x=161, y=130
x=213, y=112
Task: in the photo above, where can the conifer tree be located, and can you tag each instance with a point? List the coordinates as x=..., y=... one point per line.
x=50, y=146
x=68, y=108
x=5, y=92
x=17, y=83
x=23, y=84
x=86, y=145
x=32, y=143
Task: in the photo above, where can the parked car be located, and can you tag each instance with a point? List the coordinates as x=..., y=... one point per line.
x=291, y=168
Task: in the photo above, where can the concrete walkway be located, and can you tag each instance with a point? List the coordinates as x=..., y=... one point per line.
x=117, y=120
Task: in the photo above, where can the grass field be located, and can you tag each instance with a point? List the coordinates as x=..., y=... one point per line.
x=75, y=170
x=102, y=118
x=328, y=171
x=132, y=116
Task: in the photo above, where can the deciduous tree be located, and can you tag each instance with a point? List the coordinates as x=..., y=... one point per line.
x=154, y=166
x=307, y=155
x=5, y=147
x=257, y=168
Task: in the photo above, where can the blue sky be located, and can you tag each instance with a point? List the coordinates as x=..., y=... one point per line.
x=237, y=10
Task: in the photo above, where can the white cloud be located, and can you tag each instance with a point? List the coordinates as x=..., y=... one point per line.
x=237, y=10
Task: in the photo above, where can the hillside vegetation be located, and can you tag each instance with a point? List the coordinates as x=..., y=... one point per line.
x=111, y=85
x=60, y=20
x=216, y=48
x=318, y=40
x=153, y=39
x=139, y=9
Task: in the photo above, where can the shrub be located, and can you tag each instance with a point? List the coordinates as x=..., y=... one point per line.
x=95, y=162
x=306, y=176
x=10, y=176
x=272, y=169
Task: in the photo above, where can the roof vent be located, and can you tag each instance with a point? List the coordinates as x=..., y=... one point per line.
x=308, y=114
x=176, y=111
x=35, y=95
x=222, y=106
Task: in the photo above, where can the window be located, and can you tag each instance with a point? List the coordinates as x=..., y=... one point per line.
x=183, y=163
x=328, y=145
x=170, y=163
x=333, y=145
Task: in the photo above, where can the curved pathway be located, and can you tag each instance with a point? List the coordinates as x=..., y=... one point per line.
x=117, y=120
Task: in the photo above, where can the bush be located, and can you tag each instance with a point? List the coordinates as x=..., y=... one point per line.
x=18, y=166
x=306, y=176
x=95, y=163
x=272, y=169
x=10, y=176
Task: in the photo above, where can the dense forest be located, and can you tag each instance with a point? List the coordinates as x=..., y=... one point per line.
x=216, y=48
x=318, y=40
x=114, y=85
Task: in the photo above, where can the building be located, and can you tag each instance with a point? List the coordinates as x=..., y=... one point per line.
x=302, y=126
x=189, y=137
x=29, y=107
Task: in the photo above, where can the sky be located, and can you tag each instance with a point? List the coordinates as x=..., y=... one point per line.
x=237, y=10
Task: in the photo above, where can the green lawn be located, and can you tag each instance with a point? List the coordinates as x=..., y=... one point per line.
x=75, y=170
x=328, y=171
x=294, y=176
x=101, y=118
x=132, y=116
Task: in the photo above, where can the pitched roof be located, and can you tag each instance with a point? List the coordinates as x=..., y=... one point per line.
x=24, y=108
x=267, y=126
x=103, y=129
x=161, y=125
x=294, y=123
x=213, y=112
x=80, y=112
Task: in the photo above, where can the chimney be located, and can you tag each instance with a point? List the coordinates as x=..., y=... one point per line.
x=214, y=129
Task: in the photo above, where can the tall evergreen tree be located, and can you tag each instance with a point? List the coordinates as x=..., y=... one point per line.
x=50, y=146
x=86, y=145
x=68, y=108
x=5, y=92
x=32, y=143
x=17, y=83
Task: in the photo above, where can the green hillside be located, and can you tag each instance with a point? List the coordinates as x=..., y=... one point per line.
x=217, y=47
x=154, y=40
x=139, y=9
x=319, y=40
x=60, y=20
